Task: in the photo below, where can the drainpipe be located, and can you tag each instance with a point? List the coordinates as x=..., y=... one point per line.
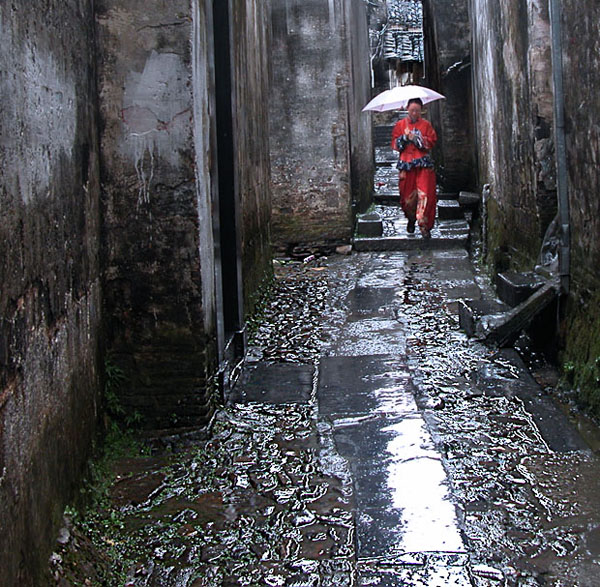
x=564, y=258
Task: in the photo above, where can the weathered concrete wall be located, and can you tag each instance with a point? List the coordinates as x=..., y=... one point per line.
x=50, y=300
x=448, y=70
x=251, y=41
x=581, y=62
x=160, y=300
x=309, y=121
x=169, y=260
x=513, y=107
x=361, y=133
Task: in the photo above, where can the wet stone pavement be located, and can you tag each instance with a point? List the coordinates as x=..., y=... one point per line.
x=368, y=442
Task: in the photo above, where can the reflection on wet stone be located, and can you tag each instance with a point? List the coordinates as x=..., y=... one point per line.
x=370, y=442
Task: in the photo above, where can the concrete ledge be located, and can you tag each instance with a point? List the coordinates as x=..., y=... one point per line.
x=519, y=317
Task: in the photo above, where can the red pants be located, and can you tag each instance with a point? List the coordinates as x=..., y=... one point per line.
x=418, y=197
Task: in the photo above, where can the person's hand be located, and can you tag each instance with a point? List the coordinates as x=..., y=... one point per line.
x=403, y=175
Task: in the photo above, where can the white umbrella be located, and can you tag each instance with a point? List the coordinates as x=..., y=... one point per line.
x=398, y=97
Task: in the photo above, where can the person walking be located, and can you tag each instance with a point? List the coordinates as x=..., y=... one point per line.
x=414, y=137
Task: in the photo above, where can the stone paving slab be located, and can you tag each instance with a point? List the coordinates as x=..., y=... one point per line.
x=509, y=377
x=274, y=383
x=416, y=570
x=400, y=486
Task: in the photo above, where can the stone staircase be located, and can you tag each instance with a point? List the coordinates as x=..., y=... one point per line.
x=520, y=296
x=384, y=227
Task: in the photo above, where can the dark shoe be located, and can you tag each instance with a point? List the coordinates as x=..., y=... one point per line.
x=425, y=233
x=410, y=227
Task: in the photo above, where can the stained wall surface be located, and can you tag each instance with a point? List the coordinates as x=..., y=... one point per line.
x=159, y=311
x=581, y=66
x=448, y=71
x=513, y=114
x=186, y=191
x=50, y=294
x=361, y=133
x=251, y=88
x=311, y=150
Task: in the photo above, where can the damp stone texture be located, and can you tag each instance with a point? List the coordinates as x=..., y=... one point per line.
x=361, y=125
x=448, y=71
x=157, y=307
x=513, y=113
x=251, y=68
x=581, y=66
x=311, y=108
x=50, y=295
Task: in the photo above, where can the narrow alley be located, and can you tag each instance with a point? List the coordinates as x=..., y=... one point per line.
x=233, y=354
x=368, y=441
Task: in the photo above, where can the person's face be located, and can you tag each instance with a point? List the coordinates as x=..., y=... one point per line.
x=414, y=112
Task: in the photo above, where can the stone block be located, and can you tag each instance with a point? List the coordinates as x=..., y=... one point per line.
x=469, y=199
x=369, y=225
x=514, y=288
x=449, y=210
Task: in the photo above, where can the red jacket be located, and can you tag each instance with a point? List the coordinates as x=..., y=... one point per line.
x=414, y=153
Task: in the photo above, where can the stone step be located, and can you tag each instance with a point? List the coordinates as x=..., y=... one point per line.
x=447, y=196
x=363, y=245
x=514, y=288
x=382, y=135
x=369, y=225
x=387, y=198
x=385, y=194
x=444, y=235
x=449, y=210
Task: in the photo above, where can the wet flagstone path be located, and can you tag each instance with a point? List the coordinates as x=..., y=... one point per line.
x=368, y=442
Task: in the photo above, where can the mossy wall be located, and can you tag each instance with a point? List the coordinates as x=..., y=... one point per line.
x=50, y=292
x=581, y=63
x=581, y=356
x=513, y=115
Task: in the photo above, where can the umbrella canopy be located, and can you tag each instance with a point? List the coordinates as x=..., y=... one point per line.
x=398, y=98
